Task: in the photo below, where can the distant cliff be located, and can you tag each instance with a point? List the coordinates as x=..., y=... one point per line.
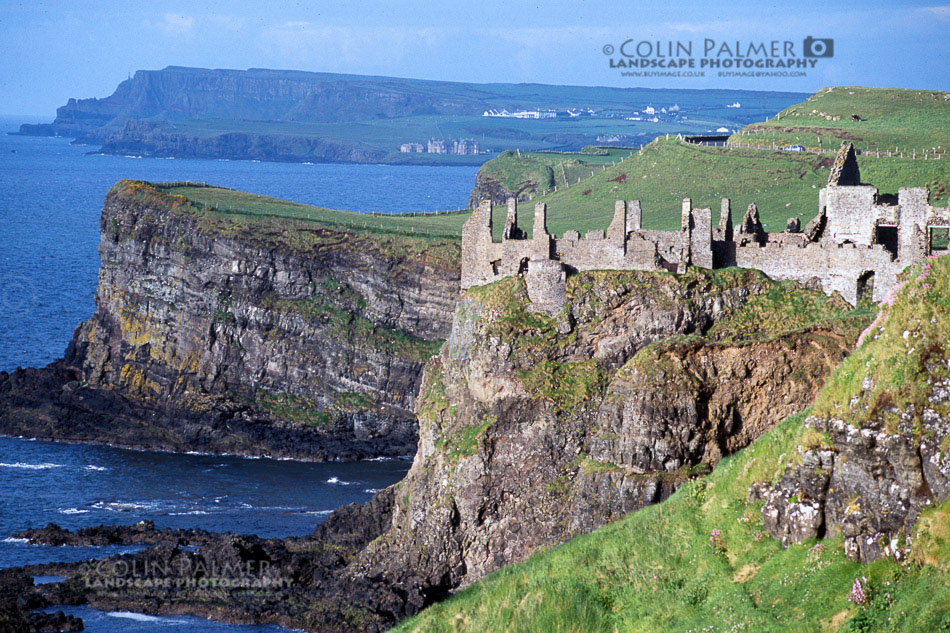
x=238, y=334
x=177, y=93
x=288, y=115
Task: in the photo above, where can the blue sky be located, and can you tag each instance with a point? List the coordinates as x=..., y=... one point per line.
x=50, y=51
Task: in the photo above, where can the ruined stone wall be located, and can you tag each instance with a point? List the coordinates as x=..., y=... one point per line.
x=851, y=214
x=850, y=247
x=838, y=267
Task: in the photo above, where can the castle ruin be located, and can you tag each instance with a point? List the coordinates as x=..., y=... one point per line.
x=856, y=245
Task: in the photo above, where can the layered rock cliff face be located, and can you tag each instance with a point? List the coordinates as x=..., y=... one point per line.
x=176, y=93
x=230, y=333
x=879, y=449
x=534, y=430
x=487, y=188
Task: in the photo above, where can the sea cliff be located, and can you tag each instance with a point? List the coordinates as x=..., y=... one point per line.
x=223, y=332
x=535, y=429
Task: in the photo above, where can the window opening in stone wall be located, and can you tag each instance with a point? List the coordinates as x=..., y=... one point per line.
x=887, y=237
x=866, y=287
x=939, y=238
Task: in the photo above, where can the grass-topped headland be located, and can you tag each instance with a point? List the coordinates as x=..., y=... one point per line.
x=874, y=119
x=232, y=213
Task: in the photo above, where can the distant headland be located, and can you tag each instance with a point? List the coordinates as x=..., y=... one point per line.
x=295, y=116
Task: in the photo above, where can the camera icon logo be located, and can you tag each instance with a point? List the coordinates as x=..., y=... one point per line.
x=818, y=47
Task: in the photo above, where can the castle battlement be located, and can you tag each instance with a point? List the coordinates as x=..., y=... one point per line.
x=856, y=244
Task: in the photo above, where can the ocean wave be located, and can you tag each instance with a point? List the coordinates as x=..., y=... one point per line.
x=96, y=468
x=340, y=482
x=189, y=512
x=320, y=512
x=117, y=506
x=44, y=466
x=10, y=539
x=73, y=511
x=141, y=617
x=371, y=491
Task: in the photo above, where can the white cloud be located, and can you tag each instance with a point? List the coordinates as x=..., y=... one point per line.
x=177, y=24
x=936, y=13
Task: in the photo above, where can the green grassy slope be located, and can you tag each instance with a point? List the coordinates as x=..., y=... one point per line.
x=251, y=205
x=664, y=568
x=909, y=120
x=541, y=171
x=782, y=184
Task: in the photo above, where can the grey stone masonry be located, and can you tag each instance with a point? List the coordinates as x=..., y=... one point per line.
x=856, y=245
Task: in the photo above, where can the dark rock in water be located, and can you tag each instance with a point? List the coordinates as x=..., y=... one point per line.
x=18, y=601
x=53, y=622
x=141, y=533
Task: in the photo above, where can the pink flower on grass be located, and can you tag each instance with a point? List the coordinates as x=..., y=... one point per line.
x=858, y=592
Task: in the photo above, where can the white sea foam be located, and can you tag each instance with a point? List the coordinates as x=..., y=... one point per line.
x=190, y=512
x=320, y=512
x=44, y=466
x=371, y=491
x=96, y=468
x=339, y=482
x=10, y=539
x=117, y=506
x=141, y=617
x=73, y=511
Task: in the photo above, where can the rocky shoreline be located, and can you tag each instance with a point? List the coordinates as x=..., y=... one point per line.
x=533, y=430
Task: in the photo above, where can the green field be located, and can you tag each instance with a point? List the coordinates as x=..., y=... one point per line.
x=903, y=120
x=781, y=184
x=536, y=172
x=251, y=205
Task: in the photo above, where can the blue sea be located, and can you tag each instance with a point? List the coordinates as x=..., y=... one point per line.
x=51, y=193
